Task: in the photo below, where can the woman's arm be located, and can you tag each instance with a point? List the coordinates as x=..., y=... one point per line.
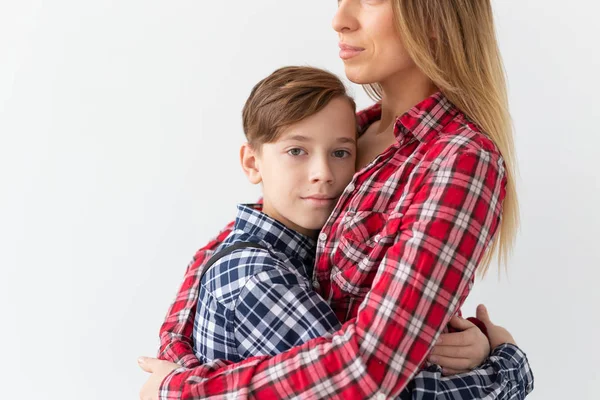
x=422, y=280
x=277, y=311
x=176, y=344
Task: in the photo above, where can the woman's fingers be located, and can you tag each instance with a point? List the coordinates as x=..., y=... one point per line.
x=460, y=323
x=464, y=338
x=457, y=364
x=483, y=315
x=453, y=351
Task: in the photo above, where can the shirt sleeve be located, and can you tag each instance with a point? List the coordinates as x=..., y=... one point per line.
x=277, y=310
x=505, y=375
x=176, y=344
x=421, y=282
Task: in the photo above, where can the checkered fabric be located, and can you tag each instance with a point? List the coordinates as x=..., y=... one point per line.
x=259, y=302
x=395, y=261
x=506, y=374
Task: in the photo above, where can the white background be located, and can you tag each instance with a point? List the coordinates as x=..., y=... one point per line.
x=120, y=127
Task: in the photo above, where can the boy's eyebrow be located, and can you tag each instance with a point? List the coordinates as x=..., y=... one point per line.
x=301, y=138
x=346, y=140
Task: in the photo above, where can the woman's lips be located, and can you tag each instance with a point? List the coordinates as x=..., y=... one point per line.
x=347, y=52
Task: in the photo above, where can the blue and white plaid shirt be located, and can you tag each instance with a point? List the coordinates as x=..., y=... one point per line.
x=261, y=302
x=258, y=302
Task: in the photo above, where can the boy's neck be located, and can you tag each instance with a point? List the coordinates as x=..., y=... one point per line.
x=311, y=233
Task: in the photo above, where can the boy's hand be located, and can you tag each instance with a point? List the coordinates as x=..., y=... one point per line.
x=497, y=334
x=460, y=352
x=159, y=370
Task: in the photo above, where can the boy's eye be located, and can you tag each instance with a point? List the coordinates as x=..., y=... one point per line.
x=295, y=152
x=341, y=153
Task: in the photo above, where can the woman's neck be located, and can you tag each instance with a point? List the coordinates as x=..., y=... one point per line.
x=402, y=92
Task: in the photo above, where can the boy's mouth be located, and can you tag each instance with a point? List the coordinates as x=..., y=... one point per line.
x=320, y=200
x=320, y=197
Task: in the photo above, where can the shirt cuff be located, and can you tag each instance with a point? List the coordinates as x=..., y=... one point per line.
x=509, y=351
x=171, y=387
x=189, y=361
x=518, y=366
x=166, y=390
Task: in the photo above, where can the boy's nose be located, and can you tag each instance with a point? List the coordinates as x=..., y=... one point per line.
x=322, y=172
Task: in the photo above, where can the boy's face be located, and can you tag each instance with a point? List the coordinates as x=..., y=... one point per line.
x=306, y=170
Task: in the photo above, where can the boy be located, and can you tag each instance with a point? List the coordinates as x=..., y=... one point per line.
x=258, y=299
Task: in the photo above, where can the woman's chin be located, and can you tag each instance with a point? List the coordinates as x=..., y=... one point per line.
x=357, y=75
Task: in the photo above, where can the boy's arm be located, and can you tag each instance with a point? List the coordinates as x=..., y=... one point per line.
x=176, y=331
x=277, y=310
x=506, y=375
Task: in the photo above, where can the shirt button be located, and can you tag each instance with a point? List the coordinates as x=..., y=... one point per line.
x=322, y=237
x=377, y=238
x=350, y=188
x=380, y=396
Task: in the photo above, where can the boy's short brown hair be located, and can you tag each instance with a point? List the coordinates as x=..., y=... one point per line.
x=287, y=96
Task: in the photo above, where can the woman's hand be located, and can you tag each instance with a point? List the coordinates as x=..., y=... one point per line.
x=462, y=351
x=497, y=334
x=159, y=370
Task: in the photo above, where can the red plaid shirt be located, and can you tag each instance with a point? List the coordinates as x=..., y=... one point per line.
x=396, y=260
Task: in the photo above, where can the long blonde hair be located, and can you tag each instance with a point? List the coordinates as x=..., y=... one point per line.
x=454, y=43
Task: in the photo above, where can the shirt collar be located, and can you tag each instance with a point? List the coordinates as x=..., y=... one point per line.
x=423, y=121
x=251, y=220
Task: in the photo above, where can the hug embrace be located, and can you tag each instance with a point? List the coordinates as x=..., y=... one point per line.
x=347, y=278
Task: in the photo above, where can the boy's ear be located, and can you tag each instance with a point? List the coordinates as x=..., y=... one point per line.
x=250, y=164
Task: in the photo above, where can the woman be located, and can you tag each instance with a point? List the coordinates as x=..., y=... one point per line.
x=433, y=198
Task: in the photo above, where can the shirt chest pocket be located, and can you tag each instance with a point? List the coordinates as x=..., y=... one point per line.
x=364, y=241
